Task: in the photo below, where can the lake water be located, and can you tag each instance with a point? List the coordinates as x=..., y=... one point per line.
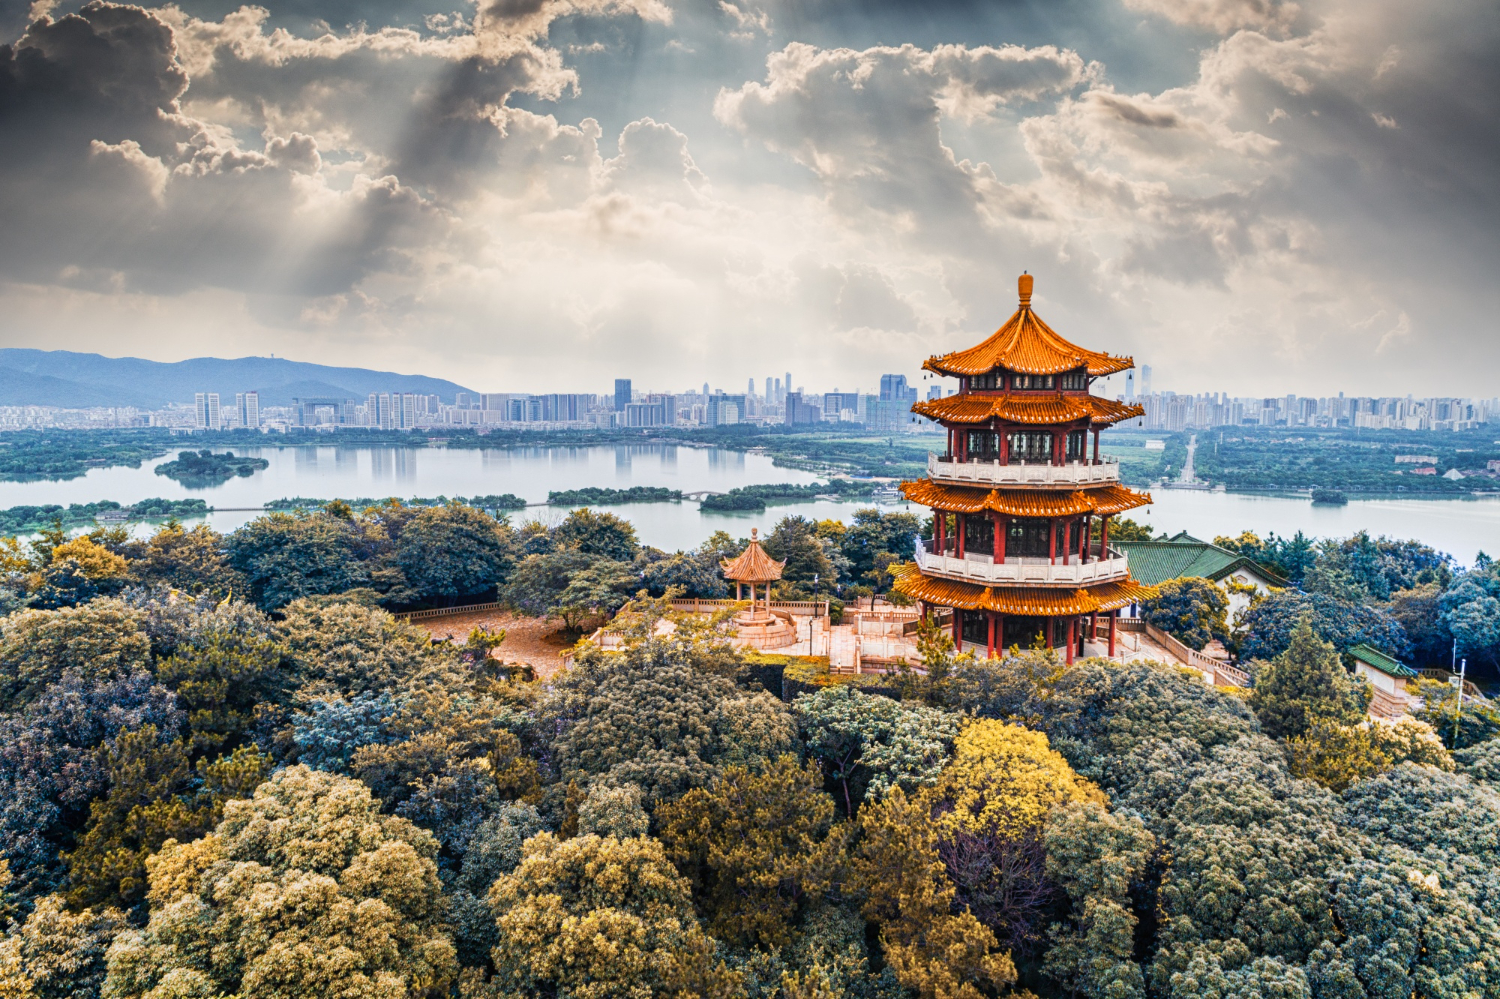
x=1458, y=526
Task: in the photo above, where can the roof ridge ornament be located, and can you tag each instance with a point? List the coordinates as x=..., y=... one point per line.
x=1024, y=285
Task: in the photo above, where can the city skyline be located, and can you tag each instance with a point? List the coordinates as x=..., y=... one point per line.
x=1256, y=195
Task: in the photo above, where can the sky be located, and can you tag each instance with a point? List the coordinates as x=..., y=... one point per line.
x=1251, y=196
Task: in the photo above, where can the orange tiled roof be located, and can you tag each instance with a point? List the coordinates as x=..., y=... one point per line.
x=753, y=564
x=1103, y=500
x=1028, y=345
x=1026, y=601
x=1029, y=409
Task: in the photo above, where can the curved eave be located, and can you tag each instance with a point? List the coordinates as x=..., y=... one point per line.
x=1029, y=346
x=1024, y=601
x=1101, y=500
x=1028, y=410
x=753, y=565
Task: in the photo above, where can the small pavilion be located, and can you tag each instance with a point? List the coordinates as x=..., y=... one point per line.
x=758, y=626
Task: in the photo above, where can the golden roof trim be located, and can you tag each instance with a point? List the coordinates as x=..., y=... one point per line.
x=1023, y=601
x=753, y=565
x=1104, y=500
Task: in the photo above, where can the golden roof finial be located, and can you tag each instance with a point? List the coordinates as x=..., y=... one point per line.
x=1024, y=284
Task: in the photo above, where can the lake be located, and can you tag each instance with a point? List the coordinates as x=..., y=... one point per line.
x=1458, y=526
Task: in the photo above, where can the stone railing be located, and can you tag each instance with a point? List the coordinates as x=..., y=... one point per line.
x=982, y=569
x=423, y=615
x=992, y=473
x=800, y=608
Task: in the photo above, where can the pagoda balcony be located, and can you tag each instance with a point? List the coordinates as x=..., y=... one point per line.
x=1104, y=471
x=983, y=570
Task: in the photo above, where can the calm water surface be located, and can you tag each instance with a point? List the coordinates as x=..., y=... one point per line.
x=1461, y=527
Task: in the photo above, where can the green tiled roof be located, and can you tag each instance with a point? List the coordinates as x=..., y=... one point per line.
x=1371, y=656
x=1153, y=562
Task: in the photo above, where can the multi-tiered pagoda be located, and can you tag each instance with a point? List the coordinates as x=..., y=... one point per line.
x=1016, y=496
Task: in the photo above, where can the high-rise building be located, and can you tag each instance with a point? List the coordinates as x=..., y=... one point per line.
x=799, y=410
x=770, y=396
x=894, y=388
x=724, y=409
x=622, y=394
x=385, y=417
x=206, y=411
x=247, y=409
x=408, y=416
x=1145, y=379
x=1130, y=386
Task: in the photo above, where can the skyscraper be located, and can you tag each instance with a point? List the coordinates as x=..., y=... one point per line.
x=893, y=388
x=408, y=415
x=622, y=394
x=1145, y=379
x=786, y=386
x=770, y=396
x=206, y=411
x=1130, y=386
x=247, y=409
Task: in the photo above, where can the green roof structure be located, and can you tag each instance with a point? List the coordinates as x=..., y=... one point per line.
x=1154, y=562
x=1375, y=659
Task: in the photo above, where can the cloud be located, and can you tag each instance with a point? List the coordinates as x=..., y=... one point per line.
x=1223, y=16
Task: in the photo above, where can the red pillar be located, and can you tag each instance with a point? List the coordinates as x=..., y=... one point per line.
x=1096, y=447
x=1104, y=537
x=940, y=519
x=1112, y=616
x=1067, y=545
x=922, y=605
x=958, y=628
x=1072, y=624
x=1004, y=448
x=1052, y=540
x=1003, y=529
x=958, y=528
x=1083, y=539
x=1057, y=448
x=991, y=616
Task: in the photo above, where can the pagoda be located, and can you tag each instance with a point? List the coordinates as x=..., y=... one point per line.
x=758, y=627
x=1016, y=495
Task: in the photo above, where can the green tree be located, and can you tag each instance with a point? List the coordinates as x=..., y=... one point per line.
x=869, y=744
x=304, y=890
x=192, y=561
x=1306, y=683
x=102, y=640
x=601, y=534
x=1096, y=857
x=934, y=948
x=1125, y=529
x=1334, y=755
x=62, y=951
x=795, y=541
x=284, y=556
x=221, y=680
x=595, y=592
x=537, y=584
x=153, y=796
x=453, y=551
x=1459, y=726
x=601, y=917
x=1193, y=610
x=347, y=648
x=757, y=847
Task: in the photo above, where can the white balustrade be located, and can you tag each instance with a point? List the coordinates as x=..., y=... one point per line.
x=983, y=570
x=992, y=473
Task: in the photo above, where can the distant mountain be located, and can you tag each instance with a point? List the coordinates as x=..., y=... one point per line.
x=65, y=378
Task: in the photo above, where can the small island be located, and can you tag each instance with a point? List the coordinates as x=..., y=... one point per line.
x=206, y=468
x=1329, y=497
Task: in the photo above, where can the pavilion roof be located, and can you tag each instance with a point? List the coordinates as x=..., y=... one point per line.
x=1371, y=656
x=1102, y=500
x=1032, y=409
x=1026, y=601
x=1028, y=345
x=753, y=564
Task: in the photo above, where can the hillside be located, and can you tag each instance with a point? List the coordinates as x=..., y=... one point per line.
x=66, y=378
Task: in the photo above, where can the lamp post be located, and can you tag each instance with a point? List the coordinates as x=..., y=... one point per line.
x=1458, y=709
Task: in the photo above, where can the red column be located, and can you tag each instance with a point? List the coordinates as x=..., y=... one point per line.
x=991, y=615
x=1112, y=616
x=958, y=528
x=1004, y=448
x=1083, y=540
x=1004, y=533
x=958, y=628
x=1052, y=540
x=1057, y=440
x=999, y=553
x=922, y=605
x=941, y=520
x=1067, y=545
x=1072, y=624
x=1104, y=537
x=1096, y=447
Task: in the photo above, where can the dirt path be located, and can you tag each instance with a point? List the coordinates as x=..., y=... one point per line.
x=533, y=640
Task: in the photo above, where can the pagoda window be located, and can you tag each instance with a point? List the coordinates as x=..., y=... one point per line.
x=991, y=381
x=1077, y=446
x=977, y=628
x=1030, y=446
x=984, y=445
x=1028, y=537
x=1073, y=381
x=979, y=534
x=1032, y=381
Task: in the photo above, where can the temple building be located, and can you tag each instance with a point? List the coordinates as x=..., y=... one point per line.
x=759, y=626
x=1019, y=492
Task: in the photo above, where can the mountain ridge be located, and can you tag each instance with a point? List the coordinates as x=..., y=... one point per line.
x=71, y=379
